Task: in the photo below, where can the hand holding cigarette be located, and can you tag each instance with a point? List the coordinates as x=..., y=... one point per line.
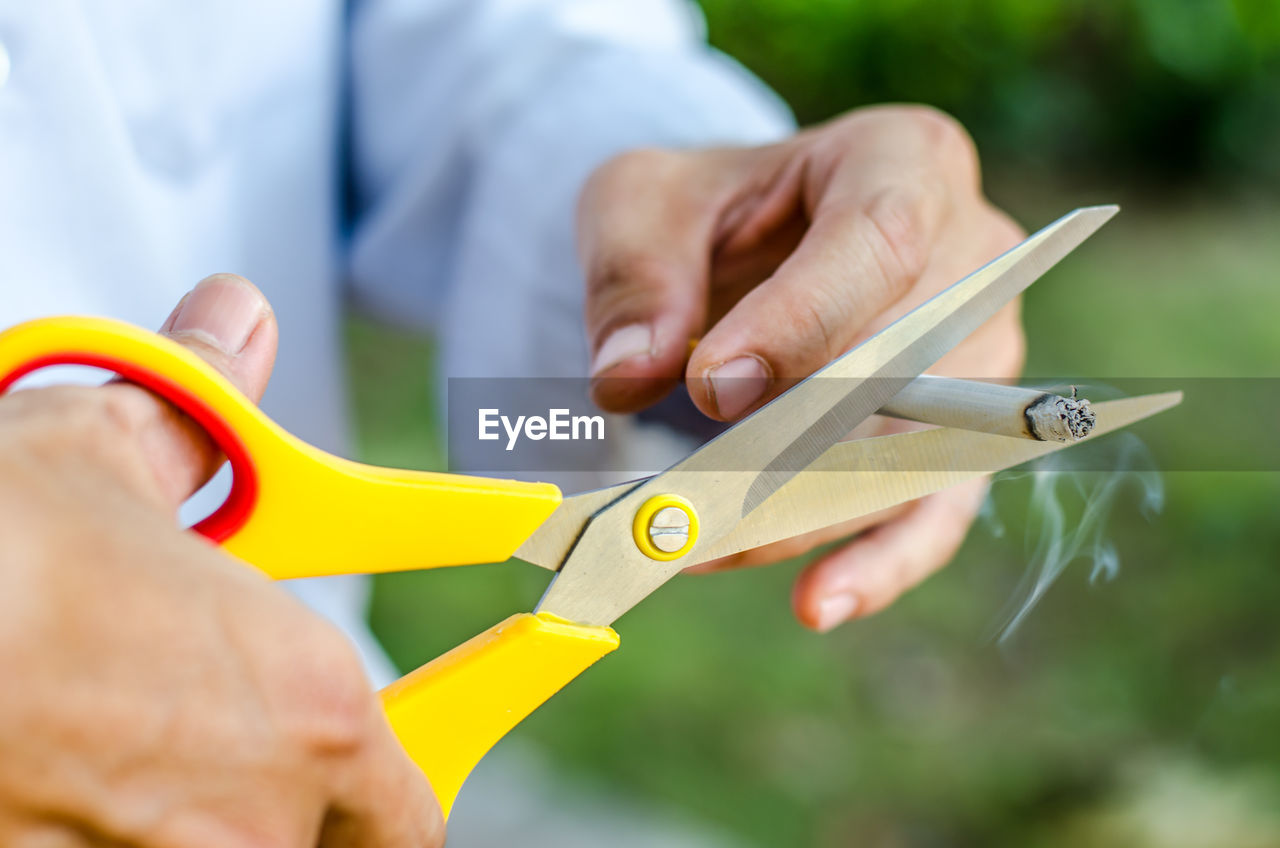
x=779, y=258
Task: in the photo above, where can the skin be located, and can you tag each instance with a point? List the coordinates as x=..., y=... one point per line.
x=168, y=696
x=778, y=259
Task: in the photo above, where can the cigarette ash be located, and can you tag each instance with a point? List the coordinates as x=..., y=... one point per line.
x=1054, y=418
x=1067, y=519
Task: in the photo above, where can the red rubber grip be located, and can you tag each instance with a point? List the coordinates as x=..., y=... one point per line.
x=238, y=506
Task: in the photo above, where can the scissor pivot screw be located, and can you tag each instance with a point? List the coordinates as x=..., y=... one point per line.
x=665, y=527
x=669, y=529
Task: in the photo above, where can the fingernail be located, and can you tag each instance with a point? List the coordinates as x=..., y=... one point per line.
x=835, y=610
x=629, y=341
x=223, y=311
x=737, y=384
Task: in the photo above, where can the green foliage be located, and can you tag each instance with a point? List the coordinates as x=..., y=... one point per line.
x=1173, y=89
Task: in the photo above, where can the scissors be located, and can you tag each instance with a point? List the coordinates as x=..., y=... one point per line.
x=296, y=511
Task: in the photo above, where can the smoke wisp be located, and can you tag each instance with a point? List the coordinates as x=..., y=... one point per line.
x=1067, y=520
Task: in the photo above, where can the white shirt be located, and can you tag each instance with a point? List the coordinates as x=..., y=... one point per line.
x=423, y=155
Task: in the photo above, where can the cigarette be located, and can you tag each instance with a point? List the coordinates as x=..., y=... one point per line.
x=993, y=408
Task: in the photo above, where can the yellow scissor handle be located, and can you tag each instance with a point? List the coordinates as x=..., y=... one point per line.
x=294, y=510
x=452, y=710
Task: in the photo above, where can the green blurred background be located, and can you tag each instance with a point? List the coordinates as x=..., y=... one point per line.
x=1139, y=711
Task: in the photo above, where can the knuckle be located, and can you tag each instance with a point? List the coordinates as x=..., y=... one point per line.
x=896, y=238
x=938, y=135
x=331, y=707
x=125, y=410
x=94, y=423
x=112, y=423
x=941, y=131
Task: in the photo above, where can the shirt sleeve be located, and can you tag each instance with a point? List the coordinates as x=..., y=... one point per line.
x=477, y=121
x=474, y=124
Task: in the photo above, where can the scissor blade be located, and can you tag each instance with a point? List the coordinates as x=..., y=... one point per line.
x=730, y=476
x=857, y=478
x=551, y=543
x=810, y=417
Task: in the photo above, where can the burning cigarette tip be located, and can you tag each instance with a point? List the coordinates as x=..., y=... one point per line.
x=1054, y=418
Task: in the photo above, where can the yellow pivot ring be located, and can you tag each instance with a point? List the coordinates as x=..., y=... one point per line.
x=668, y=525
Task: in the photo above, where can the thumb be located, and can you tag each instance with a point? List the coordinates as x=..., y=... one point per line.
x=228, y=323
